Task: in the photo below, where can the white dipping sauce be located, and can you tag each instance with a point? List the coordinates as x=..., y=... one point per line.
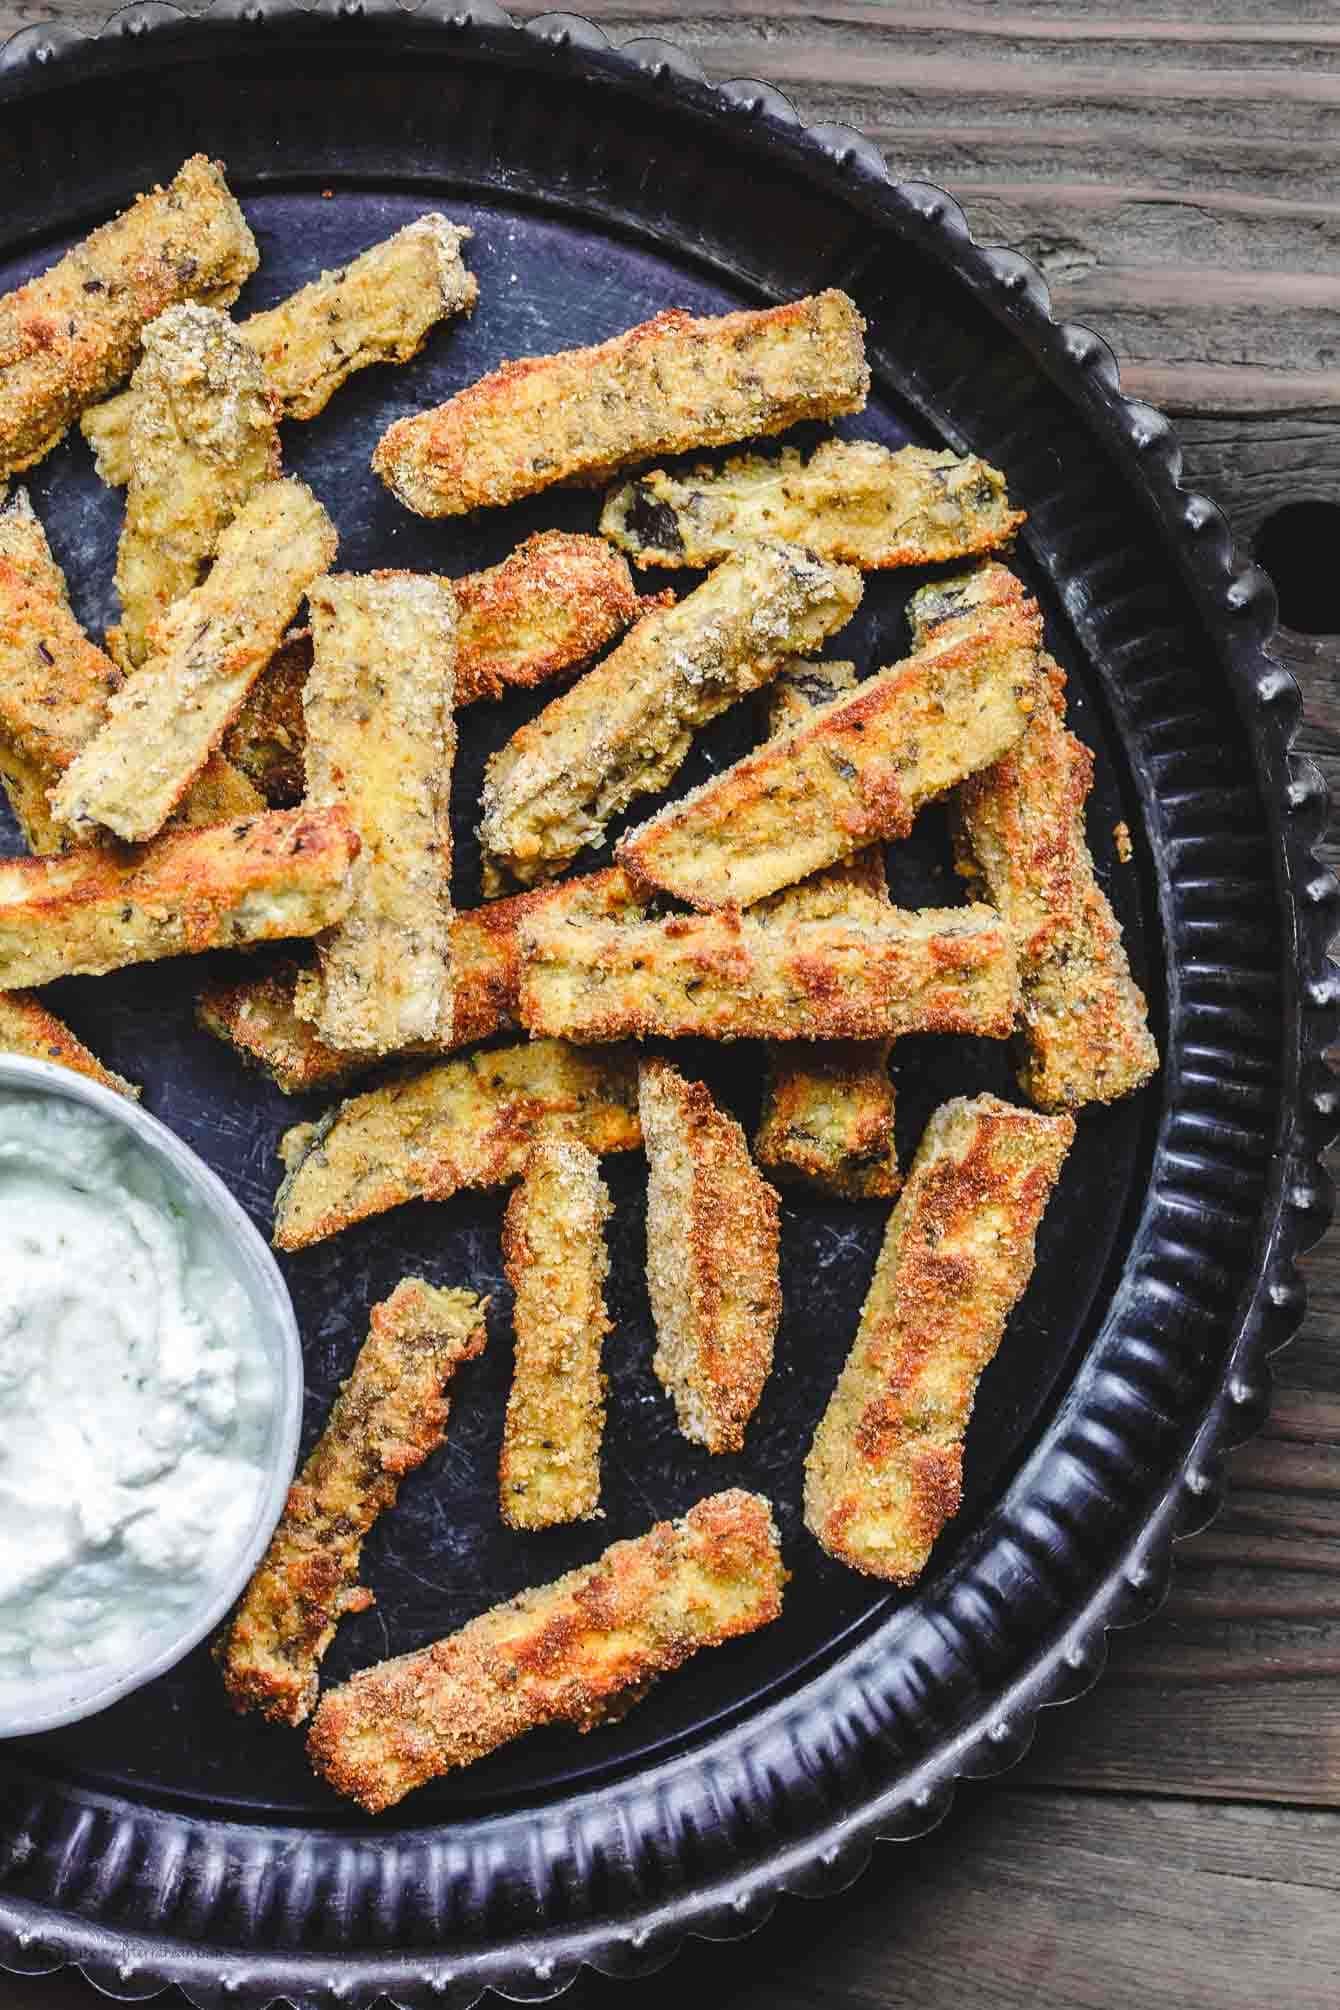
x=134, y=1396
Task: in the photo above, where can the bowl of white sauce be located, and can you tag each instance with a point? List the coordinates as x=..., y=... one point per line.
x=150, y=1392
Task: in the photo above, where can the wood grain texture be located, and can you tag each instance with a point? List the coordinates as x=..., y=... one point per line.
x=1176, y=176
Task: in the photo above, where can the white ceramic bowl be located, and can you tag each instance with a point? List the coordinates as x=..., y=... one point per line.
x=43, y=1702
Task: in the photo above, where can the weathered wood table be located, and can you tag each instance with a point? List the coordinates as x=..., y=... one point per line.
x=1174, y=1838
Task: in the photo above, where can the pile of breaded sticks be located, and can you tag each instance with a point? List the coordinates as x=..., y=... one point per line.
x=217, y=777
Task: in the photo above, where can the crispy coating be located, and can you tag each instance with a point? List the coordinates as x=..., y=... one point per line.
x=1020, y=826
x=550, y=606
x=713, y=1235
x=96, y=909
x=209, y=648
x=72, y=335
x=852, y=500
x=664, y=387
x=381, y=738
x=574, y=1652
x=204, y=436
x=257, y=1015
x=379, y=308
x=389, y=1416
x=885, y=1471
x=731, y=977
x=54, y=688
x=625, y=727
x=27, y=1028
x=468, y=1122
x=828, y=1105
x=554, y=1254
x=858, y=770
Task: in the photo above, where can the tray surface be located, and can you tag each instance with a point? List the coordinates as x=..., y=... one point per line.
x=601, y=189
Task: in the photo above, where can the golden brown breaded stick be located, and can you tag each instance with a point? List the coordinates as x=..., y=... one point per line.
x=554, y=1255
x=462, y=1123
x=96, y=909
x=27, y=1028
x=1083, y=1018
x=664, y=387
x=573, y=1652
x=389, y=1416
x=851, y=500
x=857, y=770
x=54, y=688
x=72, y=335
x=885, y=1471
x=551, y=604
x=209, y=648
x=713, y=1231
x=728, y=977
x=256, y=1014
x=381, y=738
x=204, y=436
x=828, y=1105
x=377, y=309
x=549, y=607
x=625, y=727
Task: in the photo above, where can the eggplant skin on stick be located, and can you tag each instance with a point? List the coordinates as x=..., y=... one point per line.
x=665, y=387
x=73, y=334
x=577, y=1651
x=853, y=501
x=885, y=1471
x=389, y=1416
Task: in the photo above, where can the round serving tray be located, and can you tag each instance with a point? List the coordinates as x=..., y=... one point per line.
x=165, y=1841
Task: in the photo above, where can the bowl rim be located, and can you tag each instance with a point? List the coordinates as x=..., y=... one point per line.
x=257, y=1264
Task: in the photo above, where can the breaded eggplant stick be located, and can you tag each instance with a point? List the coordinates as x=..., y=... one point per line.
x=574, y=1652
x=857, y=770
x=727, y=977
x=1020, y=833
x=389, y=1416
x=556, y=1262
x=204, y=436
x=885, y=1471
x=548, y=608
x=828, y=1105
x=73, y=335
x=463, y=1123
x=54, y=689
x=377, y=309
x=852, y=500
x=664, y=387
x=381, y=738
x=625, y=727
x=713, y=1229
x=97, y=909
x=257, y=1013
x=209, y=648
x=27, y=1028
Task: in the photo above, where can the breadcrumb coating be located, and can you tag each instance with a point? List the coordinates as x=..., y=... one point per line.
x=852, y=500
x=556, y=1263
x=27, y=1028
x=578, y=1651
x=389, y=1416
x=97, y=909
x=665, y=387
x=467, y=1122
x=885, y=1471
x=713, y=1230
x=72, y=335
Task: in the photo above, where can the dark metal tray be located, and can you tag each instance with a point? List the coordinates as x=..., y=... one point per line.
x=166, y=1841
